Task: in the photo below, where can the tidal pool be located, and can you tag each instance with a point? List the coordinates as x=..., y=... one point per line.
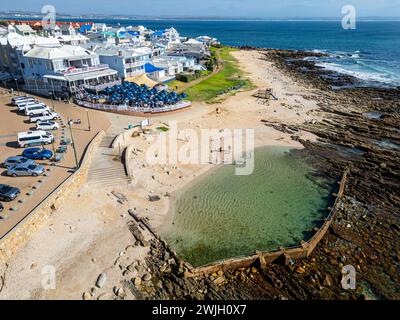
x=221, y=215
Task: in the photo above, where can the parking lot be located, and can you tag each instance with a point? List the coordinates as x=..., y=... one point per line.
x=35, y=189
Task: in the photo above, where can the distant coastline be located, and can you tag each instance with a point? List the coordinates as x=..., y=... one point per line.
x=22, y=15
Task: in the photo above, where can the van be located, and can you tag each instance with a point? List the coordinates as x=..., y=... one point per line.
x=38, y=108
x=22, y=105
x=21, y=99
x=34, y=138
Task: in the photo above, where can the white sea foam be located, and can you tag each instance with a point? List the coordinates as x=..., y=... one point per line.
x=382, y=77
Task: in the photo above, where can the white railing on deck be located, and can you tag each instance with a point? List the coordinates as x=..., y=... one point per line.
x=107, y=107
x=84, y=69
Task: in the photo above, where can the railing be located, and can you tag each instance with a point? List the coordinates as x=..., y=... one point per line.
x=135, y=64
x=111, y=108
x=83, y=70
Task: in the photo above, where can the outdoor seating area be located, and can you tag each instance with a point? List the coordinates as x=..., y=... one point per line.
x=135, y=97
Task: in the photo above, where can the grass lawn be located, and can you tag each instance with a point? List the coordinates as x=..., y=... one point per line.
x=230, y=76
x=176, y=85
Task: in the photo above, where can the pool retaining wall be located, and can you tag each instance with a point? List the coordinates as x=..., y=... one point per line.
x=283, y=255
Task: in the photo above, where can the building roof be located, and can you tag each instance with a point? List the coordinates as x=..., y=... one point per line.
x=85, y=28
x=66, y=27
x=58, y=52
x=15, y=40
x=158, y=33
x=83, y=75
x=194, y=42
x=2, y=30
x=126, y=52
x=72, y=37
x=24, y=28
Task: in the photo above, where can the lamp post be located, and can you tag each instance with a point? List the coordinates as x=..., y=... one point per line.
x=54, y=151
x=52, y=101
x=70, y=122
x=16, y=82
x=88, y=119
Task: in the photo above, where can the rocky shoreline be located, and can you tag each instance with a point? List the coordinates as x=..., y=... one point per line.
x=366, y=229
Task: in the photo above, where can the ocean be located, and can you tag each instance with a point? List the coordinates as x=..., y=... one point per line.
x=370, y=53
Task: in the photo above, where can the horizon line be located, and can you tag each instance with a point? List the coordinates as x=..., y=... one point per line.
x=191, y=17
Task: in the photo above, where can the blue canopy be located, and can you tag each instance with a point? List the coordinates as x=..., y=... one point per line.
x=158, y=33
x=85, y=28
x=149, y=68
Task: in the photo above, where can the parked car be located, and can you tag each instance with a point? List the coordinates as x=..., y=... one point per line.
x=36, y=109
x=25, y=170
x=8, y=193
x=44, y=117
x=34, y=138
x=23, y=105
x=12, y=161
x=47, y=125
x=21, y=99
x=37, y=153
x=1, y=207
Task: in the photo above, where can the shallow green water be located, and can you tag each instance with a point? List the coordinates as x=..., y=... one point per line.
x=222, y=215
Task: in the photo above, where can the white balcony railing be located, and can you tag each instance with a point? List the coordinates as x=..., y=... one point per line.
x=83, y=70
x=135, y=64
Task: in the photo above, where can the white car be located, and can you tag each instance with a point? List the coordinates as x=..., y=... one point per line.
x=47, y=125
x=21, y=106
x=44, y=117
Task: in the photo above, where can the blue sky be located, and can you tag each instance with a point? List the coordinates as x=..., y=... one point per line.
x=225, y=8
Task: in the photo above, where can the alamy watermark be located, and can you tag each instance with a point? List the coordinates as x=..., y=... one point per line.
x=48, y=277
x=49, y=20
x=349, y=20
x=348, y=281
x=209, y=146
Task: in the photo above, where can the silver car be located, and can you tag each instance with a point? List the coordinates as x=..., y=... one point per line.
x=17, y=160
x=25, y=170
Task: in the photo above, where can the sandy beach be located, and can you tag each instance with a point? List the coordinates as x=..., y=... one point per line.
x=89, y=235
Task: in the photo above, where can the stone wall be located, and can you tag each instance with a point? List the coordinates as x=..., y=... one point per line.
x=10, y=243
x=124, y=137
x=128, y=167
x=285, y=254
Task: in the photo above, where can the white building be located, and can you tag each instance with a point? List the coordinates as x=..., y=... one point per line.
x=129, y=61
x=3, y=30
x=99, y=27
x=53, y=31
x=64, y=70
x=167, y=37
x=13, y=44
x=24, y=30
x=68, y=30
x=209, y=41
x=171, y=66
x=75, y=40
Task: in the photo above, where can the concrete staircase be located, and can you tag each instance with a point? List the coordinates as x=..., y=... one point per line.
x=106, y=169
